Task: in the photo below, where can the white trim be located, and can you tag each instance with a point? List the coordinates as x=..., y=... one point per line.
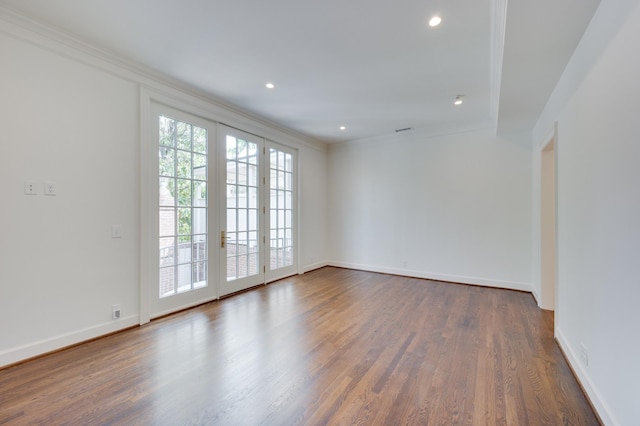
x=536, y=296
x=594, y=395
x=179, y=308
x=536, y=218
x=147, y=180
x=459, y=279
x=539, y=150
x=312, y=267
x=536, y=190
x=25, y=352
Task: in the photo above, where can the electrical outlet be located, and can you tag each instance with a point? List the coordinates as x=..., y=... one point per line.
x=30, y=188
x=50, y=188
x=116, y=312
x=584, y=355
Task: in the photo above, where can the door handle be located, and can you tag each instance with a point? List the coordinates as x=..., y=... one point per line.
x=223, y=239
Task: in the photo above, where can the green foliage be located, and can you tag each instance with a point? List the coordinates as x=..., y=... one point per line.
x=182, y=157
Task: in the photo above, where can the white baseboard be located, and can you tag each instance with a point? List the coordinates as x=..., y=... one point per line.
x=486, y=282
x=22, y=353
x=313, y=266
x=536, y=296
x=583, y=377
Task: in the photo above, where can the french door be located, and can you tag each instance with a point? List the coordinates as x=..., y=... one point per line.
x=258, y=222
x=218, y=211
x=243, y=213
x=281, y=202
x=183, y=271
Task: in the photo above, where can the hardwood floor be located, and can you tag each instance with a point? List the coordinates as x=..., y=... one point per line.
x=333, y=346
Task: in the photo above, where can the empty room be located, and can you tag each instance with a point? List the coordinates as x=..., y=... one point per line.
x=364, y=212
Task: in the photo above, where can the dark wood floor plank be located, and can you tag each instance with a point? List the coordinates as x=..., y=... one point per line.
x=333, y=346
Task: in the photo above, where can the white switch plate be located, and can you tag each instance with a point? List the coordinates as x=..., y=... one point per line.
x=30, y=187
x=116, y=231
x=49, y=188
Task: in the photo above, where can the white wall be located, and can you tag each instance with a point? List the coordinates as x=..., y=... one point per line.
x=455, y=208
x=313, y=165
x=73, y=118
x=60, y=270
x=598, y=157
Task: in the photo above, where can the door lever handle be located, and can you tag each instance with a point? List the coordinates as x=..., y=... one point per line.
x=223, y=239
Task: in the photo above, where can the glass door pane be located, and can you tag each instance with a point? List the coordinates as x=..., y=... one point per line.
x=281, y=190
x=179, y=208
x=242, y=228
x=282, y=212
x=182, y=195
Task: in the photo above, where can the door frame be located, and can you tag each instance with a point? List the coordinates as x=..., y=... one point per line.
x=148, y=181
x=149, y=261
x=547, y=223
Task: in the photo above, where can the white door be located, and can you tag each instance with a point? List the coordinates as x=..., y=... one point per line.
x=243, y=212
x=219, y=211
x=281, y=252
x=183, y=273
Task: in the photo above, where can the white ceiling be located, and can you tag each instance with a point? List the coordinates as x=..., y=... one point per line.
x=372, y=65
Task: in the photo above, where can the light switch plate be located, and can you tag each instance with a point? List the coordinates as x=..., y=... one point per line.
x=116, y=231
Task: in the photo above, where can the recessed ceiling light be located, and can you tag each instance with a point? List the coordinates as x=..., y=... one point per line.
x=343, y=127
x=458, y=100
x=270, y=85
x=435, y=21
